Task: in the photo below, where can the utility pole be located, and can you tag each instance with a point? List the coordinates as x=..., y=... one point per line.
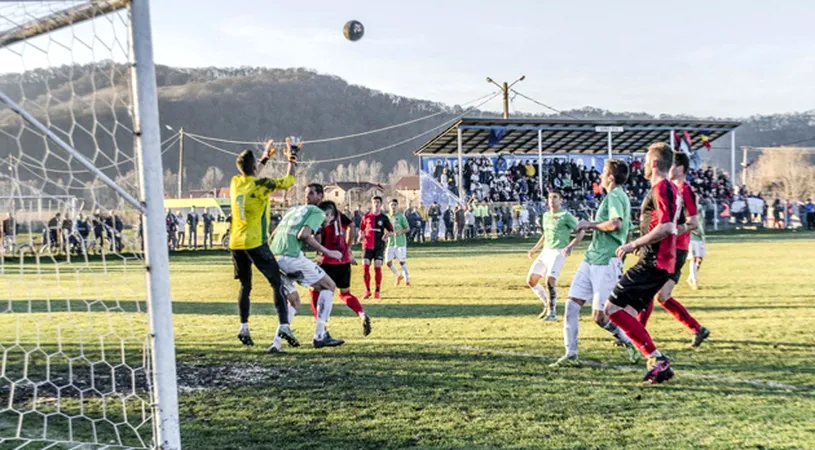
x=743, y=166
x=180, y=159
x=505, y=89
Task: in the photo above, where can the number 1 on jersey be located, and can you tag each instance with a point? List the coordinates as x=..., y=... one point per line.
x=240, y=200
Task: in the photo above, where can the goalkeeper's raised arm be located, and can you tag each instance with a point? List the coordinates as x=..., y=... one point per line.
x=291, y=153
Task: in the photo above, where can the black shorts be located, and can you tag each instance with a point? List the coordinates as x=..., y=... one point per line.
x=637, y=287
x=340, y=273
x=681, y=257
x=377, y=254
x=262, y=258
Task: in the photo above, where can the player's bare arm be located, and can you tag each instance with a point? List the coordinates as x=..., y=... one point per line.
x=350, y=234
x=307, y=235
x=537, y=246
x=691, y=224
x=659, y=233
x=578, y=237
x=607, y=226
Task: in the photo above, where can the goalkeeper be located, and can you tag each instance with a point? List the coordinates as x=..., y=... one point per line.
x=248, y=230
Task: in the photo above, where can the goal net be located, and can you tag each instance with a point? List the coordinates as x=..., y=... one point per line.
x=79, y=338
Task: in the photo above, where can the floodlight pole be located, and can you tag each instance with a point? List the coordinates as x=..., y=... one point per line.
x=180, y=160
x=460, y=168
x=610, y=152
x=505, y=89
x=540, y=162
x=733, y=157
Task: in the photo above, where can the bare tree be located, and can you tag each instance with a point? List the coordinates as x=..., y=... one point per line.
x=374, y=172
x=170, y=183
x=212, y=178
x=784, y=172
x=400, y=170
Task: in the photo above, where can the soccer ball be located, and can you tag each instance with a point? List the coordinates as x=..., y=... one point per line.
x=353, y=30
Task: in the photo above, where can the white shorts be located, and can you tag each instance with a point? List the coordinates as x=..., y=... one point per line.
x=301, y=269
x=548, y=263
x=398, y=253
x=697, y=249
x=595, y=283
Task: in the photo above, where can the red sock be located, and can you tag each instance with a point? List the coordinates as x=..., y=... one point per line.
x=638, y=334
x=366, y=275
x=352, y=302
x=315, y=296
x=682, y=315
x=378, y=275
x=645, y=314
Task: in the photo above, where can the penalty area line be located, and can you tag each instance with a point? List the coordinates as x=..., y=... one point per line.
x=598, y=365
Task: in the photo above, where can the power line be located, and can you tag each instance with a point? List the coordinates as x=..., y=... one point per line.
x=371, y=152
x=127, y=160
x=544, y=105
x=348, y=136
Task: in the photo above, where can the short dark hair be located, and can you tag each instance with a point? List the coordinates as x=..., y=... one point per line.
x=328, y=205
x=619, y=170
x=556, y=192
x=393, y=200
x=682, y=160
x=376, y=197
x=246, y=162
x=316, y=187
x=663, y=154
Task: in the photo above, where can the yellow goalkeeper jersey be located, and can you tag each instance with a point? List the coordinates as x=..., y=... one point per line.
x=250, y=209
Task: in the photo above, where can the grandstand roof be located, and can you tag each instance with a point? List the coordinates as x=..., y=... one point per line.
x=567, y=136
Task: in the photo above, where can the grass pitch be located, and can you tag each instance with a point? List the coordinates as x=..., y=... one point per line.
x=459, y=360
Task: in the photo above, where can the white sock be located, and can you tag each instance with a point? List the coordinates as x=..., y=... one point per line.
x=319, y=330
x=540, y=291
x=244, y=327
x=292, y=313
x=325, y=304
x=694, y=272
x=571, y=323
x=617, y=332
x=655, y=354
x=393, y=269
x=405, y=272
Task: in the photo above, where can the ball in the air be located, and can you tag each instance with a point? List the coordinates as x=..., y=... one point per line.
x=353, y=30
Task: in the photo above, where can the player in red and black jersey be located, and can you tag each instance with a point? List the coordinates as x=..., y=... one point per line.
x=686, y=223
x=373, y=234
x=337, y=235
x=657, y=262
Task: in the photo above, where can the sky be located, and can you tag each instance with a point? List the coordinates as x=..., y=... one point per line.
x=707, y=58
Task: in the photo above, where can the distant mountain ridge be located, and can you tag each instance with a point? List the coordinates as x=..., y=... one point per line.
x=252, y=103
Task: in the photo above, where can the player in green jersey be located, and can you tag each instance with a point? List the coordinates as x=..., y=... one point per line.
x=697, y=249
x=397, y=243
x=296, y=231
x=600, y=270
x=557, y=226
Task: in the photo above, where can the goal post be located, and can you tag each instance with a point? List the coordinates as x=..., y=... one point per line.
x=157, y=259
x=87, y=351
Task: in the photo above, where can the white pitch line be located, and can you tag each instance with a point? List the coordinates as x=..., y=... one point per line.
x=598, y=365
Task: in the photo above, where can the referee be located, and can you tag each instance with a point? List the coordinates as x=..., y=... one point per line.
x=248, y=242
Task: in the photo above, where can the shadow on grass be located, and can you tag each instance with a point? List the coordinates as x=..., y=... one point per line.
x=378, y=309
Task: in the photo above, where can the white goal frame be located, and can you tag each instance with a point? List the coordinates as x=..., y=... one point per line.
x=150, y=203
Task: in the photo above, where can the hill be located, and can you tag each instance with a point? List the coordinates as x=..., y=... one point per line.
x=256, y=103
